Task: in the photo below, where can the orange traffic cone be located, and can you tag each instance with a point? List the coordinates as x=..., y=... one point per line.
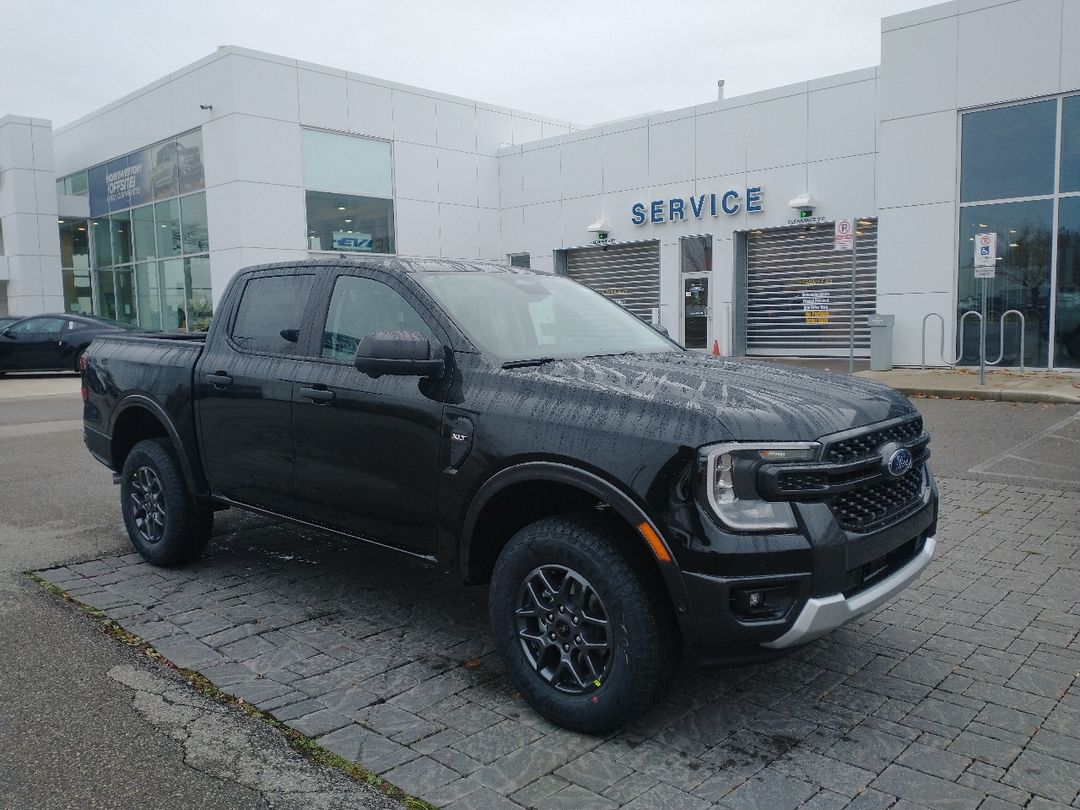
x=716, y=348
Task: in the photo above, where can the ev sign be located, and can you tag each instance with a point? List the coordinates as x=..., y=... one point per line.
x=985, y=254
x=843, y=234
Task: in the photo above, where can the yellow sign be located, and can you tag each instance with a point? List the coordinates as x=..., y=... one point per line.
x=820, y=316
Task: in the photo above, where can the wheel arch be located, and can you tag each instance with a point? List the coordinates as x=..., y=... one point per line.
x=496, y=512
x=138, y=417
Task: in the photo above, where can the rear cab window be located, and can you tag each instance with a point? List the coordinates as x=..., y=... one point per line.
x=270, y=314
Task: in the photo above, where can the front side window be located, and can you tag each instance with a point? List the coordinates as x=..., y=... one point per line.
x=360, y=307
x=38, y=326
x=521, y=317
x=270, y=312
x=349, y=197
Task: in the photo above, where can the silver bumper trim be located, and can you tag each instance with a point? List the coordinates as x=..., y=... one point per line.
x=824, y=614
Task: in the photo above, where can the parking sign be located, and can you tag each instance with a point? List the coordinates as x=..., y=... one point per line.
x=985, y=254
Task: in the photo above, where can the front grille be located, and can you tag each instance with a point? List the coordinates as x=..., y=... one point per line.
x=867, y=445
x=803, y=482
x=885, y=499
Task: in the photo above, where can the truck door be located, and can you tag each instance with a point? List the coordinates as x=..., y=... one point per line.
x=243, y=392
x=367, y=449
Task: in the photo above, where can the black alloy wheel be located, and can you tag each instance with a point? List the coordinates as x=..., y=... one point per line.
x=148, y=504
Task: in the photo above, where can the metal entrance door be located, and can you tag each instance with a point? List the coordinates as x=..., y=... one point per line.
x=696, y=315
x=629, y=274
x=798, y=291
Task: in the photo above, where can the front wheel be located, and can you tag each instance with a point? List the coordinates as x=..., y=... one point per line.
x=165, y=524
x=585, y=636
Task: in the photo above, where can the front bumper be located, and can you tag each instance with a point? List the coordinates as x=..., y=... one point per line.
x=822, y=615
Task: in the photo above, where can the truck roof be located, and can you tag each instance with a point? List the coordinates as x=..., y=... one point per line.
x=395, y=264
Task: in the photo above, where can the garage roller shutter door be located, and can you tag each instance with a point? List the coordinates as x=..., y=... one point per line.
x=798, y=291
x=628, y=274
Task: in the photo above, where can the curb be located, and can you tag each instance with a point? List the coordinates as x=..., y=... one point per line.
x=990, y=394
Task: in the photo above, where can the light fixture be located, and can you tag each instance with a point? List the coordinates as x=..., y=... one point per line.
x=348, y=220
x=598, y=226
x=341, y=208
x=60, y=221
x=82, y=228
x=1014, y=244
x=805, y=200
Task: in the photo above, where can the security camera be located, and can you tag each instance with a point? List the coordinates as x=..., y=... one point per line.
x=802, y=201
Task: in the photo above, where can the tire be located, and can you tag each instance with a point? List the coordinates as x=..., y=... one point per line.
x=164, y=523
x=78, y=357
x=589, y=677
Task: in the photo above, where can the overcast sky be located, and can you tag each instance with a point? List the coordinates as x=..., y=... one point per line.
x=586, y=61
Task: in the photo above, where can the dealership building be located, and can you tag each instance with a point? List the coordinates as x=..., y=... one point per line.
x=717, y=221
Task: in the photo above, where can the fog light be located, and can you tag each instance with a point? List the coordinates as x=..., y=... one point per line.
x=755, y=599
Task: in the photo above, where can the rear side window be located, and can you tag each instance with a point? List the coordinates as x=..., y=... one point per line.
x=271, y=309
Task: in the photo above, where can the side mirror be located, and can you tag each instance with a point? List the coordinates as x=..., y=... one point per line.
x=8, y=333
x=291, y=335
x=404, y=354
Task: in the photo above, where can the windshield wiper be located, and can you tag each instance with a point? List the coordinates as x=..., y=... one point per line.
x=536, y=361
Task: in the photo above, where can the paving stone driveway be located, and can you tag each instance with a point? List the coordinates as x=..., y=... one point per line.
x=962, y=693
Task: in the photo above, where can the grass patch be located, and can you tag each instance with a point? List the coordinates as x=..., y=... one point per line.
x=302, y=744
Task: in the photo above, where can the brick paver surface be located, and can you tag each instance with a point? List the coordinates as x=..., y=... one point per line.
x=961, y=693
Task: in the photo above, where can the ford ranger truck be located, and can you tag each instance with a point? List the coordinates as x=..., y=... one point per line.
x=629, y=503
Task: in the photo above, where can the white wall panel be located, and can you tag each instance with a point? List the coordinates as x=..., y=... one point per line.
x=626, y=160
x=671, y=151
x=1070, y=54
x=274, y=216
x=16, y=147
x=416, y=171
x=1025, y=32
x=511, y=191
x=916, y=249
x=542, y=172
x=526, y=129
x=264, y=88
x=417, y=228
x=457, y=177
x=370, y=109
x=490, y=247
x=184, y=100
x=225, y=217
x=843, y=121
x=414, y=118
x=552, y=129
x=917, y=160
x=487, y=177
x=909, y=310
x=41, y=138
x=147, y=118
x=219, y=150
x=776, y=132
x=543, y=227
x=268, y=151
x=843, y=188
x=577, y=215
x=582, y=167
x=456, y=126
x=323, y=100
x=511, y=230
x=18, y=194
x=918, y=69
x=459, y=228
x=720, y=142
x=778, y=187
x=494, y=130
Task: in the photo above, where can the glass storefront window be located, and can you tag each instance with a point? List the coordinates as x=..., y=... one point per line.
x=144, y=232
x=1070, y=144
x=102, y=242
x=1021, y=282
x=148, y=295
x=344, y=223
x=121, y=237
x=74, y=243
x=200, y=300
x=173, y=295
x=347, y=164
x=189, y=163
x=695, y=254
x=106, y=294
x=168, y=228
x=78, y=291
x=126, y=310
x=193, y=219
x=1008, y=152
x=1067, y=317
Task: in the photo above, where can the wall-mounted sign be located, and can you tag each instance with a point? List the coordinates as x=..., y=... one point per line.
x=703, y=205
x=351, y=240
x=815, y=304
x=985, y=255
x=844, y=234
x=158, y=172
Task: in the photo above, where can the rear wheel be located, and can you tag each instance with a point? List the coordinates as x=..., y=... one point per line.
x=165, y=524
x=585, y=635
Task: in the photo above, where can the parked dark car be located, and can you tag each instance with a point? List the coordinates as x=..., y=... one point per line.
x=629, y=501
x=51, y=342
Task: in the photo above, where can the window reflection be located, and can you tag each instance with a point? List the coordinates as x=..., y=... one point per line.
x=345, y=223
x=1067, y=323
x=1008, y=152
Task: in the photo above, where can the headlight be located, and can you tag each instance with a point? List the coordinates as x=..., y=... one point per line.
x=730, y=470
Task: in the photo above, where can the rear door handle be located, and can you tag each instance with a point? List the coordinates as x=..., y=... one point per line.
x=219, y=379
x=318, y=395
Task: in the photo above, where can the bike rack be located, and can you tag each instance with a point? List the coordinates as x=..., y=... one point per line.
x=1001, y=336
x=963, y=318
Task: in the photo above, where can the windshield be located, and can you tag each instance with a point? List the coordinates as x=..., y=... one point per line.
x=524, y=317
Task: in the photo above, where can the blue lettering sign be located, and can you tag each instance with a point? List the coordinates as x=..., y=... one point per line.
x=656, y=211
x=712, y=204
x=676, y=209
x=754, y=196
x=733, y=208
x=637, y=211
x=697, y=204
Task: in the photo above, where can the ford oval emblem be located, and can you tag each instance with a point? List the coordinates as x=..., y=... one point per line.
x=900, y=462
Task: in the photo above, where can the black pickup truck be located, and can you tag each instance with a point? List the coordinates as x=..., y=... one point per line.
x=628, y=501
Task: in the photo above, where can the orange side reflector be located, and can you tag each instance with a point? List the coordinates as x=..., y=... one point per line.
x=654, y=541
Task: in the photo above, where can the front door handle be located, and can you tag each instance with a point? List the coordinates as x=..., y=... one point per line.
x=317, y=395
x=219, y=379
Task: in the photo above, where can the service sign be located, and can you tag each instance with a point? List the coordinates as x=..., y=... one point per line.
x=985, y=255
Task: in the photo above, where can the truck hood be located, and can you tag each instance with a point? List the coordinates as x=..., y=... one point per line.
x=749, y=400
